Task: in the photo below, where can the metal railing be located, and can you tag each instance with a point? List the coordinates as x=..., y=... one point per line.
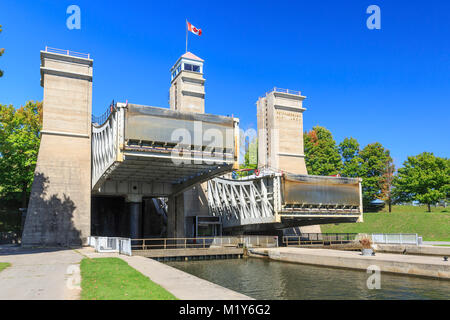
x=101, y=119
x=289, y=91
x=250, y=241
x=203, y=242
x=396, y=238
x=68, y=52
x=319, y=239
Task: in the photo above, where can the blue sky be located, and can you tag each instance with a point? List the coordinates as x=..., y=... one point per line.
x=390, y=85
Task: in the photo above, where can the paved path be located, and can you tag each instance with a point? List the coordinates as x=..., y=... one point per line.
x=434, y=243
x=422, y=250
x=182, y=285
x=39, y=274
x=54, y=274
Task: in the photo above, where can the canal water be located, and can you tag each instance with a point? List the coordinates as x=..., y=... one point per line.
x=264, y=279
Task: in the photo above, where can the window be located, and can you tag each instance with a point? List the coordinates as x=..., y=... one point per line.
x=191, y=67
x=175, y=73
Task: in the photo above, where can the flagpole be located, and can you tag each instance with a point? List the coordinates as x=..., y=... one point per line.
x=186, y=36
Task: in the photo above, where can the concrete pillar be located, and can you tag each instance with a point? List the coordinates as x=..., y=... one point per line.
x=134, y=204
x=176, y=217
x=187, y=90
x=311, y=229
x=59, y=211
x=280, y=131
x=190, y=203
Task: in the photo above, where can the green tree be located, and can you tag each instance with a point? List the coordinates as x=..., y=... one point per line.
x=349, y=151
x=424, y=178
x=2, y=50
x=374, y=158
x=321, y=153
x=19, y=146
x=251, y=155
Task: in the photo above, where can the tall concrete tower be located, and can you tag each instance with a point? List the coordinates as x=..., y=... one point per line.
x=60, y=202
x=187, y=94
x=280, y=131
x=187, y=90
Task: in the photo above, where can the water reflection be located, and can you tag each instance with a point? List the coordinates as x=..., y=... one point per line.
x=264, y=279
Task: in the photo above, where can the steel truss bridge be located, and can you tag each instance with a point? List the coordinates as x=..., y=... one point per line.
x=282, y=200
x=159, y=152
x=137, y=150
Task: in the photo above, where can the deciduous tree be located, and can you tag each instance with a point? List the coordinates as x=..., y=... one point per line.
x=424, y=178
x=374, y=158
x=251, y=155
x=321, y=153
x=19, y=146
x=349, y=151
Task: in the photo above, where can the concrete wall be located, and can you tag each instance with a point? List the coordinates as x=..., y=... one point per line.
x=187, y=92
x=280, y=135
x=280, y=132
x=193, y=202
x=433, y=267
x=310, y=229
x=60, y=202
x=412, y=249
x=175, y=217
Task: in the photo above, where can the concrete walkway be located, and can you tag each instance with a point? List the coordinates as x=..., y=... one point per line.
x=39, y=274
x=182, y=285
x=54, y=274
x=439, y=251
x=437, y=243
x=426, y=266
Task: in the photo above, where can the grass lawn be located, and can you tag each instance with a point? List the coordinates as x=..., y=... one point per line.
x=114, y=279
x=4, y=265
x=432, y=226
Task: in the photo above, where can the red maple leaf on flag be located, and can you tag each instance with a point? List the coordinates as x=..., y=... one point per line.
x=193, y=29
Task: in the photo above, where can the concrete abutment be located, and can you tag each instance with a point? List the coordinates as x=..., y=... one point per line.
x=60, y=201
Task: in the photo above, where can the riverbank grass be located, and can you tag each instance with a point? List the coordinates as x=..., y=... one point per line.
x=4, y=265
x=114, y=279
x=432, y=226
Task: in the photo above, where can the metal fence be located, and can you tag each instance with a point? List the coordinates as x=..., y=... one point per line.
x=247, y=241
x=68, y=52
x=396, y=238
x=204, y=242
x=111, y=244
x=319, y=239
x=101, y=119
x=296, y=92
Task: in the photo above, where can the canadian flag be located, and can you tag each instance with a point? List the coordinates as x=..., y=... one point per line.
x=193, y=29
